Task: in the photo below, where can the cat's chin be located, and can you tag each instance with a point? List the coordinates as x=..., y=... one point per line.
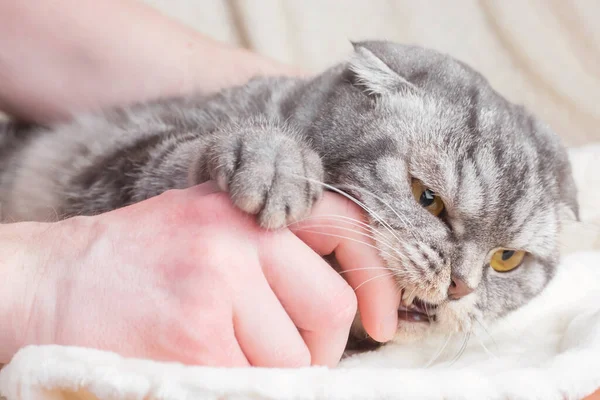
x=414, y=324
x=410, y=332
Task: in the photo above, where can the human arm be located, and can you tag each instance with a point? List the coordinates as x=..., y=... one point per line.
x=61, y=57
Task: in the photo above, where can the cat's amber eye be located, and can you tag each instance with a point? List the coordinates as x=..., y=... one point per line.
x=505, y=260
x=427, y=198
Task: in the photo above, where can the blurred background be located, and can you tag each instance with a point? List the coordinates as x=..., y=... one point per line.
x=544, y=54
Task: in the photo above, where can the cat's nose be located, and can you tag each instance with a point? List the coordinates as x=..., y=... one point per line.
x=458, y=288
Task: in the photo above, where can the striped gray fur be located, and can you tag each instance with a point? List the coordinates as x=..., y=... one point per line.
x=389, y=114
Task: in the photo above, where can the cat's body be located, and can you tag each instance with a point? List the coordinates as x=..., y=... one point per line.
x=391, y=116
x=103, y=161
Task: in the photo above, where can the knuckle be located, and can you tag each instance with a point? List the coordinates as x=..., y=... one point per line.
x=200, y=339
x=341, y=309
x=215, y=255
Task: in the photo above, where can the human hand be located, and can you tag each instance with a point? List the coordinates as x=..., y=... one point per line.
x=185, y=276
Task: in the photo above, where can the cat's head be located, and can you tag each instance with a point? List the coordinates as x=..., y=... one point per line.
x=466, y=190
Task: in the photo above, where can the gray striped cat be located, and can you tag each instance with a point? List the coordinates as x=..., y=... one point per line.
x=465, y=191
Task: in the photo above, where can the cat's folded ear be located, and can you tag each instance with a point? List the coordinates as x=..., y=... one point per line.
x=374, y=76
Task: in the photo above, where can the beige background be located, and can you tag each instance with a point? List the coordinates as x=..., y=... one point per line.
x=544, y=54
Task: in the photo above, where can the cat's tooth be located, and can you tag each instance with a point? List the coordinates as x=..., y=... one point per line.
x=408, y=297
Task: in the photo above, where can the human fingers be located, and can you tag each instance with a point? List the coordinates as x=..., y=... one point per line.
x=318, y=300
x=264, y=330
x=207, y=345
x=345, y=234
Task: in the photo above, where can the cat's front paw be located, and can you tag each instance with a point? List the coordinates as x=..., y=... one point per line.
x=267, y=172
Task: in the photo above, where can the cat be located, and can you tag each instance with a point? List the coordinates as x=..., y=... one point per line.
x=465, y=190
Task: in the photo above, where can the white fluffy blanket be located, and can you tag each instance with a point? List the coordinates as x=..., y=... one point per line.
x=548, y=350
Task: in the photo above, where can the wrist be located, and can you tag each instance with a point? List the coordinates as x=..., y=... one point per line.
x=35, y=259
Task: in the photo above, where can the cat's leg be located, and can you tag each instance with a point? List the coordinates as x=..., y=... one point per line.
x=267, y=168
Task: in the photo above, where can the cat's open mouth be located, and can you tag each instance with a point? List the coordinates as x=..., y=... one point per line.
x=417, y=311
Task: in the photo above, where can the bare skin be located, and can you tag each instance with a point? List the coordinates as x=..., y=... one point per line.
x=134, y=54
x=156, y=280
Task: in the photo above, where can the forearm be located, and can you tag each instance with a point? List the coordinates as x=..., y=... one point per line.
x=65, y=56
x=20, y=272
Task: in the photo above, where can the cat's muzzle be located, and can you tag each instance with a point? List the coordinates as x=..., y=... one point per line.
x=417, y=311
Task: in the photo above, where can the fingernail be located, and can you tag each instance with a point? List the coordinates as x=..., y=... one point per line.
x=388, y=327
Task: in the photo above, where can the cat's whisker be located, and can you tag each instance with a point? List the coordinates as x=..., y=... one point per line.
x=354, y=200
x=313, y=226
x=376, y=216
x=387, y=226
x=403, y=219
x=437, y=355
x=485, y=329
x=462, y=349
x=372, y=279
x=348, y=238
x=488, y=352
x=350, y=221
x=390, y=229
x=363, y=269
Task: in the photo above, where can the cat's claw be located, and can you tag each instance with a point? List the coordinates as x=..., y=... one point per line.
x=268, y=173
